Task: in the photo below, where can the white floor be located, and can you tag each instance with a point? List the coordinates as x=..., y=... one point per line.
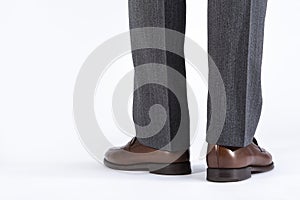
x=89, y=180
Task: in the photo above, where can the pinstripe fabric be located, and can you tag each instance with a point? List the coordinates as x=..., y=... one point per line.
x=168, y=14
x=235, y=43
x=235, y=34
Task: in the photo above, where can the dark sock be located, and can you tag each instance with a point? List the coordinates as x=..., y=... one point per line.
x=232, y=148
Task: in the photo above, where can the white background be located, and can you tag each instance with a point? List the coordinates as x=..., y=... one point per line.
x=43, y=44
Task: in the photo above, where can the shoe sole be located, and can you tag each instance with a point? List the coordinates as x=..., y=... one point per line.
x=182, y=168
x=234, y=175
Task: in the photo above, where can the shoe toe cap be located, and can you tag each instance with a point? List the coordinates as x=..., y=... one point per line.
x=111, y=154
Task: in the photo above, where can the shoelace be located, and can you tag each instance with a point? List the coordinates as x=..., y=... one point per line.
x=256, y=143
x=130, y=143
x=132, y=140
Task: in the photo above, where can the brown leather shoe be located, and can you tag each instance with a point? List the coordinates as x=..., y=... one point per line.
x=137, y=157
x=225, y=165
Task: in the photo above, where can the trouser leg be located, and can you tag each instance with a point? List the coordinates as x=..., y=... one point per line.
x=235, y=34
x=170, y=14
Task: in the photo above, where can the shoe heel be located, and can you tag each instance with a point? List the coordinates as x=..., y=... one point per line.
x=228, y=175
x=183, y=168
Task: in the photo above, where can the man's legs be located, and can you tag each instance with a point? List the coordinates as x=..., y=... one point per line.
x=169, y=14
x=235, y=34
x=160, y=110
x=235, y=44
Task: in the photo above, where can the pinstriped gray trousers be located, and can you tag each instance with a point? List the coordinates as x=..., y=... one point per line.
x=235, y=43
